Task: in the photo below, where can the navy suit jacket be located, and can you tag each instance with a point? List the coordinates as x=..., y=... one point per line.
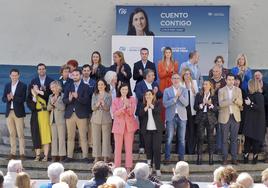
x=139, y=65
x=81, y=104
x=63, y=85
x=91, y=85
x=140, y=90
x=18, y=100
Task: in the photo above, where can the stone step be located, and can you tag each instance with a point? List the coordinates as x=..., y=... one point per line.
x=199, y=173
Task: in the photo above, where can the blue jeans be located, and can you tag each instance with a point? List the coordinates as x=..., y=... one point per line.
x=218, y=138
x=180, y=127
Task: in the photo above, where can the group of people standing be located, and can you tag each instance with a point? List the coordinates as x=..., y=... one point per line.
x=100, y=103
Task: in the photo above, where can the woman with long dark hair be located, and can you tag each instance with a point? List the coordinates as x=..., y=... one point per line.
x=206, y=107
x=98, y=70
x=138, y=23
x=152, y=129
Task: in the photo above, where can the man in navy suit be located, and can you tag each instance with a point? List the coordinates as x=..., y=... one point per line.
x=175, y=100
x=143, y=64
x=77, y=99
x=14, y=96
x=86, y=71
x=140, y=89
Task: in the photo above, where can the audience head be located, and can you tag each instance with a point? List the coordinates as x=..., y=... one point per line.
x=76, y=75
x=194, y=57
x=101, y=86
x=149, y=97
x=123, y=91
x=219, y=61
x=106, y=185
x=144, y=52
x=70, y=178
x=55, y=87
x=65, y=71
x=41, y=69
x=86, y=70
x=230, y=78
x=100, y=170
x=95, y=58
x=217, y=72
x=117, y=181
x=229, y=175
x=176, y=80
x=254, y=86
x=258, y=76
x=264, y=177
x=14, y=75
x=121, y=172
x=238, y=81
x=217, y=174
x=148, y=75
x=138, y=23
x=241, y=61
x=207, y=86
x=167, y=54
x=186, y=75
x=181, y=182
x=245, y=179
x=54, y=171
x=72, y=64
x=181, y=169
x=23, y=180
x=118, y=57
x=1, y=179
x=111, y=78
x=141, y=171
x=14, y=166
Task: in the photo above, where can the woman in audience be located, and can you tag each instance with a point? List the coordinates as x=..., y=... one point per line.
x=117, y=181
x=228, y=176
x=242, y=70
x=219, y=61
x=152, y=129
x=264, y=177
x=166, y=68
x=101, y=121
x=191, y=85
x=70, y=178
x=111, y=79
x=206, y=107
x=124, y=125
x=54, y=171
x=122, y=69
x=98, y=70
x=254, y=124
x=217, y=177
x=56, y=108
x=23, y=180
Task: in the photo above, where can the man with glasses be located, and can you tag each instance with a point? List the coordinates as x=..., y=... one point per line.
x=175, y=100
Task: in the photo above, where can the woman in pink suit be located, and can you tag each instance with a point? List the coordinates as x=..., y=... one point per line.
x=124, y=125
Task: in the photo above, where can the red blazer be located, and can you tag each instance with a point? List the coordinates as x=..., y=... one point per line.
x=124, y=118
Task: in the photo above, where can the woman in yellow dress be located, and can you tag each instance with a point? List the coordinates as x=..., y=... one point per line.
x=43, y=122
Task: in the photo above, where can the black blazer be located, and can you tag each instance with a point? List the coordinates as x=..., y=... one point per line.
x=18, y=100
x=63, y=85
x=156, y=115
x=139, y=65
x=100, y=73
x=212, y=118
x=81, y=104
x=121, y=77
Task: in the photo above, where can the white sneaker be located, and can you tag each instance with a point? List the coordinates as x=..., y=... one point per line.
x=141, y=151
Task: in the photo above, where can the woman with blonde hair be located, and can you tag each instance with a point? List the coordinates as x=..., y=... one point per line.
x=191, y=86
x=206, y=107
x=70, y=178
x=56, y=108
x=242, y=70
x=254, y=124
x=23, y=180
x=122, y=69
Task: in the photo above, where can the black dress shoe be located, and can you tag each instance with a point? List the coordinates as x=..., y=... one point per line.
x=246, y=155
x=68, y=160
x=255, y=159
x=199, y=160
x=234, y=162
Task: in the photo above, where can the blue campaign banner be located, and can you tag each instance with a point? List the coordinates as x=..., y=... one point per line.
x=181, y=47
x=210, y=25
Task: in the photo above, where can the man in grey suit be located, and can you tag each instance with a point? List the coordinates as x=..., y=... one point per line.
x=175, y=100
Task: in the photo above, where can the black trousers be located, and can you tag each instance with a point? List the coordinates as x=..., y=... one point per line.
x=202, y=126
x=153, y=141
x=191, y=136
x=141, y=136
x=252, y=145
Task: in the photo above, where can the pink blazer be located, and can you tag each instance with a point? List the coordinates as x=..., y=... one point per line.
x=124, y=118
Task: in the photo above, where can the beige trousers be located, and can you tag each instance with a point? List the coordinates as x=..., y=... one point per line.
x=101, y=135
x=82, y=125
x=15, y=127
x=89, y=133
x=58, y=144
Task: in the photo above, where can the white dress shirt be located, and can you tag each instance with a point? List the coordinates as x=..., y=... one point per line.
x=151, y=123
x=13, y=90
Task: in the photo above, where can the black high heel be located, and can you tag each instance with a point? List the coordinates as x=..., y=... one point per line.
x=246, y=155
x=255, y=159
